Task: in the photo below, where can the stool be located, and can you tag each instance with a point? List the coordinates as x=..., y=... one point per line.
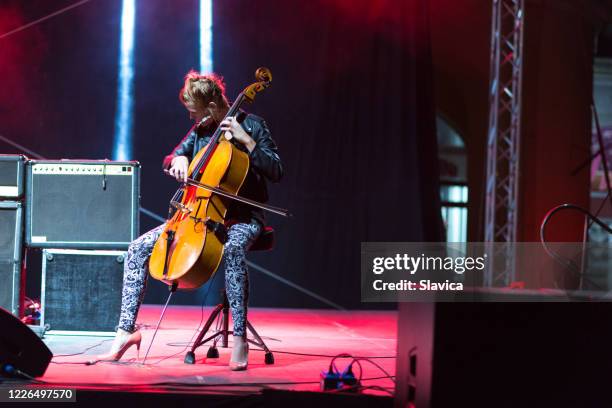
x=264, y=242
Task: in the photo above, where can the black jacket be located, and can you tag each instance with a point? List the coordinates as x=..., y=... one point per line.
x=264, y=164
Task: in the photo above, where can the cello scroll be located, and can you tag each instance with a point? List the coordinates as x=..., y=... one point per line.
x=264, y=78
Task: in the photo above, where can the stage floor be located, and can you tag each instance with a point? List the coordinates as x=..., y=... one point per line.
x=309, y=332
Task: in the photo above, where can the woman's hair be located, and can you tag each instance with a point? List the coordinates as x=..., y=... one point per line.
x=201, y=89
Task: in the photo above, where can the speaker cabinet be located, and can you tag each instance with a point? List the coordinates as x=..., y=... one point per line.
x=11, y=176
x=82, y=204
x=11, y=227
x=81, y=290
x=21, y=347
x=504, y=354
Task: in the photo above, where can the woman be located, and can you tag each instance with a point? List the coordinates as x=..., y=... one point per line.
x=204, y=97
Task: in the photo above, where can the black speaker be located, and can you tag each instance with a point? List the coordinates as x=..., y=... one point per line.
x=504, y=354
x=21, y=348
x=11, y=176
x=11, y=227
x=81, y=290
x=82, y=204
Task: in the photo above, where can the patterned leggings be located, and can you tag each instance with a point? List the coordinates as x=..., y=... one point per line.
x=135, y=273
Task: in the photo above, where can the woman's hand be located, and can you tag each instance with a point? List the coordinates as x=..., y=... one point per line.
x=232, y=129
x=178, y=168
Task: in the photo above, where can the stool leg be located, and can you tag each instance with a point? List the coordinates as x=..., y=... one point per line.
x=225, y=328
x=269, y=357
x=223, y=310
x=190, y=356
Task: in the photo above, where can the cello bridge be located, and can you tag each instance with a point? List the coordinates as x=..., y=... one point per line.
x=196, y=220
x=181, y=207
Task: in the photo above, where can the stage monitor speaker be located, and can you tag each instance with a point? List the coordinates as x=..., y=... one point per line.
x=81, y=204
x=521, y=353
x=21, y=348
x=11, y=176
x=11, y=228
x=81, y=290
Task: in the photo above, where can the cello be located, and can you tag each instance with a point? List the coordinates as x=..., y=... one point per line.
x=190, y=248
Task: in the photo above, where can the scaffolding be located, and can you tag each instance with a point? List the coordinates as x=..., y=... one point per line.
x=503, y=140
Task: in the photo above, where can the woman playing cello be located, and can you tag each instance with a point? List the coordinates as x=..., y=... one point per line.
x=204, y=97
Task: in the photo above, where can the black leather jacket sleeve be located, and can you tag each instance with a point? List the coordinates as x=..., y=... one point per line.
x=184, y=148
x=264, y=156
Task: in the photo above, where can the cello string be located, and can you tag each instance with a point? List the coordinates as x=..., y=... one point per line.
x=216, y=136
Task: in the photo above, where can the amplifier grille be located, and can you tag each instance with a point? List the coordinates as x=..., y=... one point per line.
x=10, y=255
x=11, y=176
x=82, y=289
x=82, y=206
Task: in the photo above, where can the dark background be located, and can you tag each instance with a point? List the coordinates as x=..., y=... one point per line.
x=350, y=108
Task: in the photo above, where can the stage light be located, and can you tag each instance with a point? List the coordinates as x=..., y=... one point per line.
x=122, y=149
x=206, y=57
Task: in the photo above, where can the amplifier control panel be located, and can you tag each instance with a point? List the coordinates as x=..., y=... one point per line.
x=93, y=169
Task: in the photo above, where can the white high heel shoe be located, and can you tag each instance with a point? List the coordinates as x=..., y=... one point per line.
x=240, y=354
x=123, y=341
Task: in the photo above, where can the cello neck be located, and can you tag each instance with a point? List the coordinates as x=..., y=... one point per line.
x=232, y=111
x=264, y=78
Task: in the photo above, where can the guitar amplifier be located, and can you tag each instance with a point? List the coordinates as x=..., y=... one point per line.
x=11, y=176
x=79, y=204
x=81, y=290
x=11, y=228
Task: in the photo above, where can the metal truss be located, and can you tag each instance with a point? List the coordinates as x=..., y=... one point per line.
x=503, y=140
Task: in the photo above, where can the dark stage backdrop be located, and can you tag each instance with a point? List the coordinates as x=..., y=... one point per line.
x=350, y=108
